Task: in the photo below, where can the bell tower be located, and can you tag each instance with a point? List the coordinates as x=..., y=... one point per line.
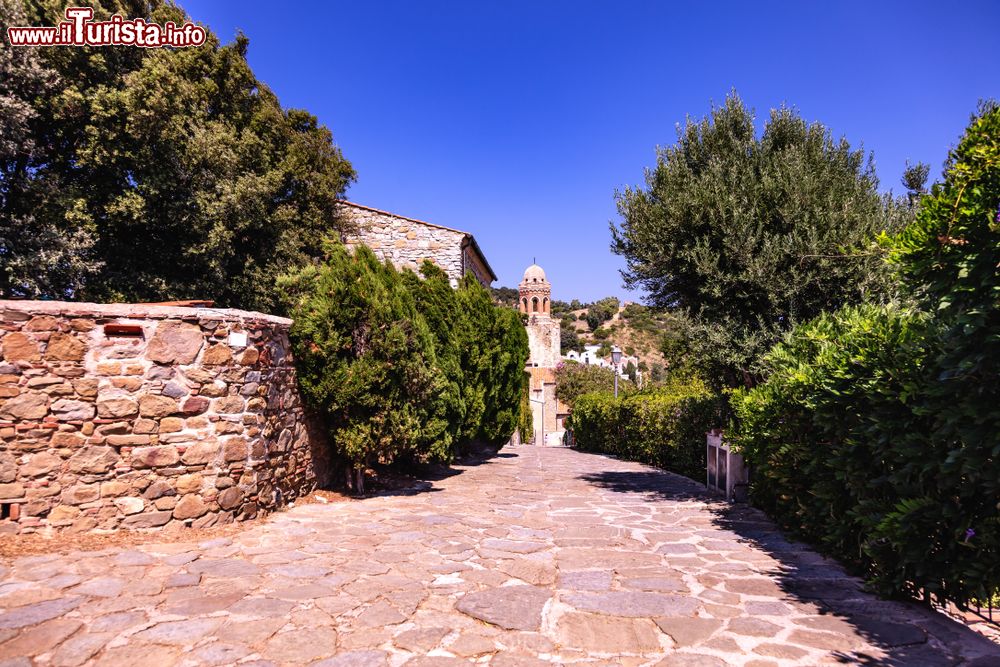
x=535, y=301
x=534, y=292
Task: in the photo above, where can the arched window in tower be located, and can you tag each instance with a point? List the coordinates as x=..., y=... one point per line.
x=545, y=305
x=524, y=303
x=534, y=304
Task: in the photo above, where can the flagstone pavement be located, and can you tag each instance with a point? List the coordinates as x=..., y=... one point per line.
x=533, y=557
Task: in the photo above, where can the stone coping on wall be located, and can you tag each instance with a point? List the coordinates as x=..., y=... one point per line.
x=137, y=311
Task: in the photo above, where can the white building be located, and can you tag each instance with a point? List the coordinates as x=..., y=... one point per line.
x=589, y=357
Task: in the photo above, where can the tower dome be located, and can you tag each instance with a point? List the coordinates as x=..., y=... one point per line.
x=533, y=274
x=534, y=292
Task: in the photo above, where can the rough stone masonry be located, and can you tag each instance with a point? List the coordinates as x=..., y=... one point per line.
x=407, y=243
x=142, y=416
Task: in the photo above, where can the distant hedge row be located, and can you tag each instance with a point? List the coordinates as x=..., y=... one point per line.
x=574, y=379
x=401, y=365
x=662, y=426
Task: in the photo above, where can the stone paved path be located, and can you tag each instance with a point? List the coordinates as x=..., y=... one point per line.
x=538, y=556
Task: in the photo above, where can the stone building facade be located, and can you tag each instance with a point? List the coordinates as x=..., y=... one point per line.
x=407, y=242
x=544, y=338
x=141, y=416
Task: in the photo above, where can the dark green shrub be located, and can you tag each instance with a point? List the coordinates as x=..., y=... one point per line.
x=876, y=432
x=398, y=365
x=634, y=310
x=364, y=357
x=950, y=259
x=575, y=379
x=601, y=311
x=493, y=348
x=437, y=302
x=481, y=351
x=525, y=424
x=834, y=435
x=505, y=380
x=569, y=339
x=664, y=426
x=594, y=420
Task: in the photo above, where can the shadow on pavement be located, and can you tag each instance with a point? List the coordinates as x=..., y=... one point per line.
x=908, y=633
x=414, y=478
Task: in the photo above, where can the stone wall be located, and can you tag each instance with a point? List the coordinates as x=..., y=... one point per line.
x=544, y=336
x=142, y=416
x=473, y=263
x=406, y=243
x=543, y=386
x=544, y=341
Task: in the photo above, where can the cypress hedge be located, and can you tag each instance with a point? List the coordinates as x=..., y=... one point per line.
x=402, y=366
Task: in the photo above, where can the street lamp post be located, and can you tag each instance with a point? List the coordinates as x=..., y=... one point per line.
x=616, y=359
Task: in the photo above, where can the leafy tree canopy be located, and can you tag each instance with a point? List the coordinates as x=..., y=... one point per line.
x=506, y=296
x=601, y=311
x=153, y=174
x=747, y=234
x=915, y=178
x=569, y=339
x=574, y=379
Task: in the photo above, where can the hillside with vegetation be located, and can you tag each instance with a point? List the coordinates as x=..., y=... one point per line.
x=648, y=333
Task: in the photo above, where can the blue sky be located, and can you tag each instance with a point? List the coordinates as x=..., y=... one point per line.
x=518, y=120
